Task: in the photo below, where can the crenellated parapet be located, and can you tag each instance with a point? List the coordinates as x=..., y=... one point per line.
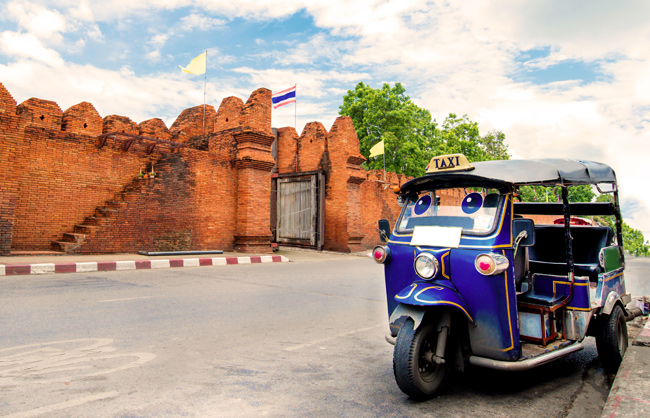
x=211, y=191
x=344, y=187
x=190, y=123
x=256, y=113
x=155, y=128
x=229, y=113
x=122, y=124
x=82, y=119
x=312, y=147
x=7, y=102
x=287, y=150
x=40, y=113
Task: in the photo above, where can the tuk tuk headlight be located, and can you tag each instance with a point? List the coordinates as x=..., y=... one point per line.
x=490, y=264
x=381, y=254
x=426, y=266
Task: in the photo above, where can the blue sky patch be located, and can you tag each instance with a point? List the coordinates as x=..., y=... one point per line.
x=530, y=69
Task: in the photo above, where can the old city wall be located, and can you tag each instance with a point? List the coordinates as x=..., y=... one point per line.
x=355, y=198
x=57, y=179
x=61, y=182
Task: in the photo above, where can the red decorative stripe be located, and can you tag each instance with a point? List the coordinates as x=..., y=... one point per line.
x=143, y=264
x=16, y=270
x=106, y=266
x=65, y=268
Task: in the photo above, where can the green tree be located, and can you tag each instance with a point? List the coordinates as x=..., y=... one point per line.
x=411, y=137
x=389, y=114
x=633, y=240
x=583, y=193
x=459, y=135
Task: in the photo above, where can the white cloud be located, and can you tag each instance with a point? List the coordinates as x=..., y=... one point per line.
x=27, y=46
x=452, y=57
x=111, y=92
x=199, y=22
x=37, y=20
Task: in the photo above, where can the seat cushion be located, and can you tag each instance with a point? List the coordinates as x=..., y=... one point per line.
x=543, y=299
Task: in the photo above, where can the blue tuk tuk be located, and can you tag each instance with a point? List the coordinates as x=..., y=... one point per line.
x=471, y=277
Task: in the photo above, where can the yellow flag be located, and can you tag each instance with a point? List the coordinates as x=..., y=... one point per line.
x=197, y=65
x=378, y=149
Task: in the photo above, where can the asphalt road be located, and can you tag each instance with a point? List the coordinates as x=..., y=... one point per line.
x=302, y=339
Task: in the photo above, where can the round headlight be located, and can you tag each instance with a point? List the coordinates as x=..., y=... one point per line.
x=426, y=266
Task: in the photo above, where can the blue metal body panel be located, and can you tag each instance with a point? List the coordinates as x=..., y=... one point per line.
x=433, y=293
x=488, y=302
x=612, y=281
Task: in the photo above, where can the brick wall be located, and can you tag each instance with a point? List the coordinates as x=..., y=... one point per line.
x=187, y=206
x=10, y=156
x=60, y=182
x=190, y=123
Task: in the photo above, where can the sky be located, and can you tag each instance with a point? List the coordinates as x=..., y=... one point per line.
x=561, y=79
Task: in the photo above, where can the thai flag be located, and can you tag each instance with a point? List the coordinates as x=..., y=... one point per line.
x=284, y=97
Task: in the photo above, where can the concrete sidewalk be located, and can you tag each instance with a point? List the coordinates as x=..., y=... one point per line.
x=52, y=263
x=630, y=394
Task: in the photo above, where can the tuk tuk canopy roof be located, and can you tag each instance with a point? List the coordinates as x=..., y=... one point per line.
x=550, y=171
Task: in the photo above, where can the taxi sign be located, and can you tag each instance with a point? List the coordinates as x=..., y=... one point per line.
x=452, y=162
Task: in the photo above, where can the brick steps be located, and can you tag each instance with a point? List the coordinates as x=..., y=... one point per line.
x=72, y=242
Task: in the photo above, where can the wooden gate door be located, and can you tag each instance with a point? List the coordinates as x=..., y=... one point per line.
x=299, y=210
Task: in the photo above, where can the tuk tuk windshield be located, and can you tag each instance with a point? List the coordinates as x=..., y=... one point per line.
x=473, y=211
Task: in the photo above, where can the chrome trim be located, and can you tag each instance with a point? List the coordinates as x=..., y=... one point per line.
x=434, y=260
x=501, y=263
x=528, y=363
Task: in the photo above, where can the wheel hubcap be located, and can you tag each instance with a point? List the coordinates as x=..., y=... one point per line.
x=426, y=364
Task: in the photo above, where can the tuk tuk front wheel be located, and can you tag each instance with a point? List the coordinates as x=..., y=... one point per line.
x=611, y=339
x=417, y=374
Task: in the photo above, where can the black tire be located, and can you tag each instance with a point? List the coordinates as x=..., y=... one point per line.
x=611, y=339
x=416, y=377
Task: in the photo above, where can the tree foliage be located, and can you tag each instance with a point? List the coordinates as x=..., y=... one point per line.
x=583, y=193
x=633, y=240
x=411, y=137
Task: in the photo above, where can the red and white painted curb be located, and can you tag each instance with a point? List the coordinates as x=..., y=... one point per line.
x=86, y=267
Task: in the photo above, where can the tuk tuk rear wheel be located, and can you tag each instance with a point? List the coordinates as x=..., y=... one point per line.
x=611, y=339
x=416, y=374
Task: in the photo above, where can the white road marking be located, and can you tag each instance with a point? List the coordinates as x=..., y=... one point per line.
x=63, y=405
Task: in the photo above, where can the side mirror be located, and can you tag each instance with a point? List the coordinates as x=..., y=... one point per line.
x=524, y=225
x=384, y=230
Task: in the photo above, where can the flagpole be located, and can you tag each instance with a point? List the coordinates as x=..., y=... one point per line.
x=384, y=161
x=205, y=83
x=295, y=111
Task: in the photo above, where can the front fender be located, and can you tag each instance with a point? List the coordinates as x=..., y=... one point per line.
x=612, y=299
x=432, y=294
